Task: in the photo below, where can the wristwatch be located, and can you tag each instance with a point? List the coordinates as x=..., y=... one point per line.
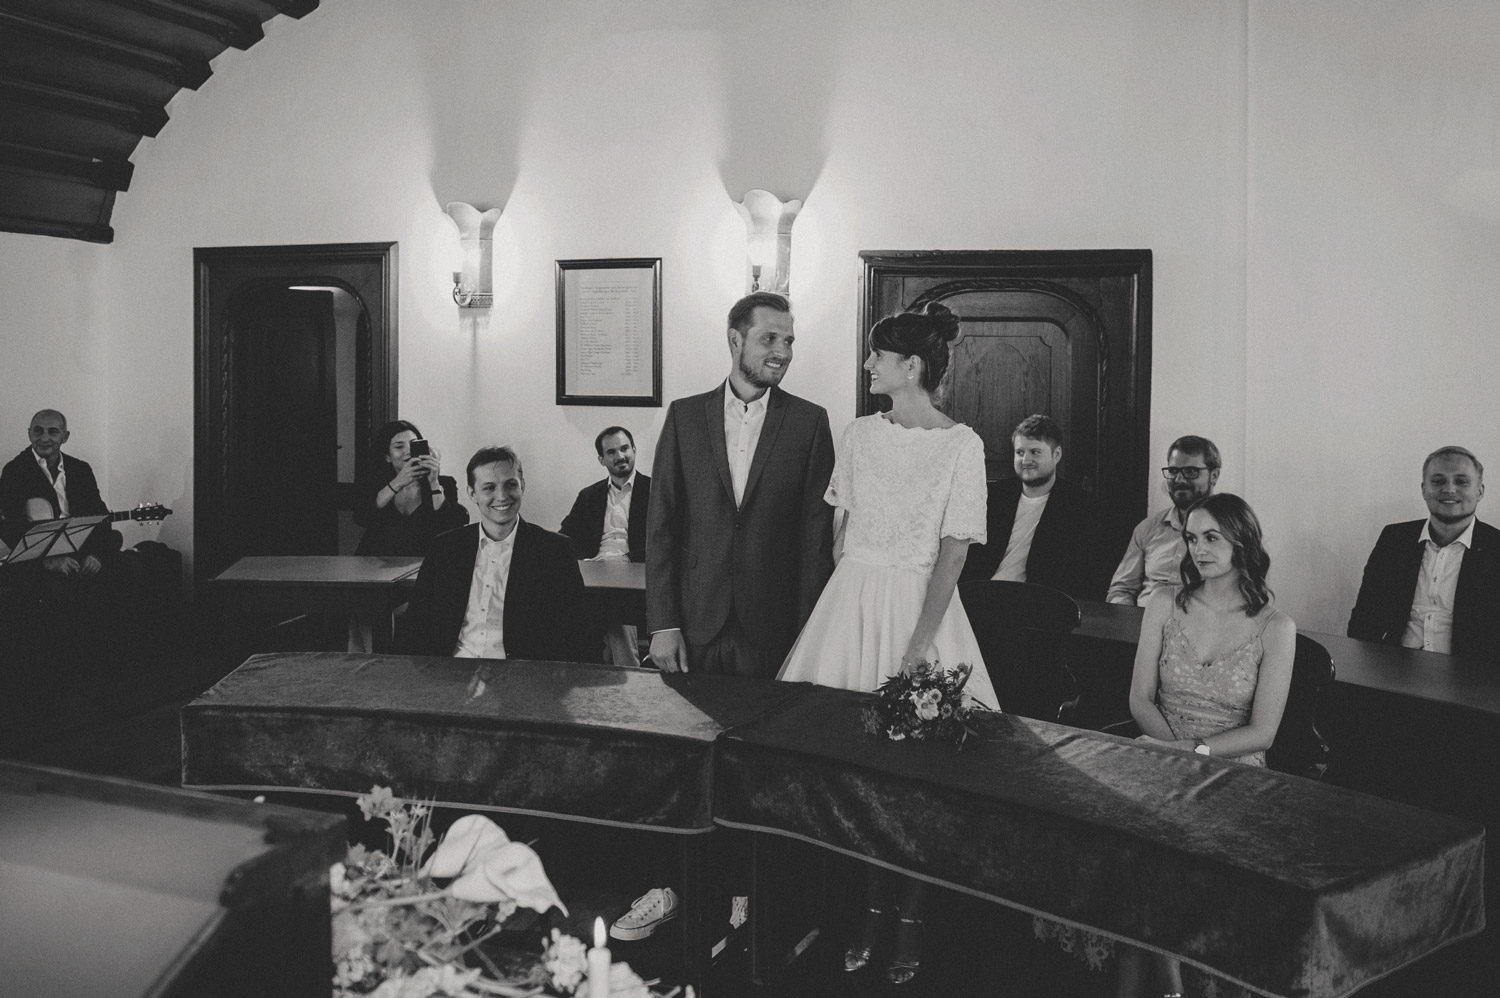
x=1201, y=747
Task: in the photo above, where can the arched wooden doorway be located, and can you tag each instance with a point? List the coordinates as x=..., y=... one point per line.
x=284, y=411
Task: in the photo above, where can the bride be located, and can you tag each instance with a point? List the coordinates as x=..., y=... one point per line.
x=911, y=484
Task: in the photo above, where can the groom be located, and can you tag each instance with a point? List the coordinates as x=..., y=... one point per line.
x=739, y=539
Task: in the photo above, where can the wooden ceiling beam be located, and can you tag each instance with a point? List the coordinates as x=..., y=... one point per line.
x=183, y=71
x=89, y=232
x=233, y=32
x=106, y=174
x=82, y=81
x=293, y=8
x=128, y=117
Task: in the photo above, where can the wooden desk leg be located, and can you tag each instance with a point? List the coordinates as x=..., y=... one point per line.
x=757, y=899
x=696, y=905
x=772, y=952
x=361, y=639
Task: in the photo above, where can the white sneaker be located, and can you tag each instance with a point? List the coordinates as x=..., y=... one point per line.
x=646, y=914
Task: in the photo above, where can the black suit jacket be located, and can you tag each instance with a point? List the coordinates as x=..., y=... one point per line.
x=1067, y=551
x=765, y=561
x=584, y=524
x=22, y=479
x=543, y=598
x=1390, y=582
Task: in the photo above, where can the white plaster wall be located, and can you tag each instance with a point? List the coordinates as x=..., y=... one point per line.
x=54, y=342
x=1374, y=235
x=627, y=131
x=1318, y=186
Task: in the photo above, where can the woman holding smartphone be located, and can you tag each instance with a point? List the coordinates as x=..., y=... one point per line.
x=407, y=501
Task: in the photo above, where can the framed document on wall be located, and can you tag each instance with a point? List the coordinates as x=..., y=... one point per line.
x=609, y=332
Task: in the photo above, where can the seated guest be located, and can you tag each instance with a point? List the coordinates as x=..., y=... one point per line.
x=608, y=519
x=1041, y=528
x=43, y=483
x=501, y=588
x=1435, y=583
x=608, y=522
x=1155, y=548
x=1212, y=672
x=407, y=501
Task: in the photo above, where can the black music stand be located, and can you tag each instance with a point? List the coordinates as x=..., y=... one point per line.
x=53, y=537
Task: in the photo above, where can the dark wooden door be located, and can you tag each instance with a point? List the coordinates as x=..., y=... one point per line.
x=1064, y=333
x=249, y=327
x=284, y=462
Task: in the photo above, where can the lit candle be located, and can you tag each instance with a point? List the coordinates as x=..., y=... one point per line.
x=599, y=963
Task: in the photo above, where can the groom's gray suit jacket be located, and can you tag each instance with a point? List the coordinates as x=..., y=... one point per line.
x=767, y=560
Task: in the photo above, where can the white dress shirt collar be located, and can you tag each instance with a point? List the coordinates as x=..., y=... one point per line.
x=1466, y=538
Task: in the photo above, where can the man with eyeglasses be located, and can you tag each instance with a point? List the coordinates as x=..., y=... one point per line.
x=1156, y=548
x=1435, y=583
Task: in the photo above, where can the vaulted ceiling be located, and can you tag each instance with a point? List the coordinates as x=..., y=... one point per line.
x=83, y=81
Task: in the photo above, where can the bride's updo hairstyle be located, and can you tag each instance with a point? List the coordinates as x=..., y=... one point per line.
x=926, y=334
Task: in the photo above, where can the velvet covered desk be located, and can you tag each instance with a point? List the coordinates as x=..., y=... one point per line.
x=1291, y=887
x=588, y=742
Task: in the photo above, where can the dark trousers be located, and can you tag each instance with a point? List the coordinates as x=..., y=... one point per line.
x=734, y=651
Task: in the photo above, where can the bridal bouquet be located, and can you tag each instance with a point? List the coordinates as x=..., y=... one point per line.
x=411, y=922
x=925, y=704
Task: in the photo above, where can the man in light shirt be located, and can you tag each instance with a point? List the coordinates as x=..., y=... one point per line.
x=501, y=587
x=1435, y=583
x=739, y=539
x=43, y=483
x=608, y=522
x=1153, y=558
x=1041, y=528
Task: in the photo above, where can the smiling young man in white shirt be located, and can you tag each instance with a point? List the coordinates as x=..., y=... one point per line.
x=1434, y=584
x=502, y=587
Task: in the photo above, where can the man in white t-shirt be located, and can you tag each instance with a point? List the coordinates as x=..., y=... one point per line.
x=1041, y=528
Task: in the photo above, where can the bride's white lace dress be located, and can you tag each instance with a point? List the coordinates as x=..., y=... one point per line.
x=904, y=490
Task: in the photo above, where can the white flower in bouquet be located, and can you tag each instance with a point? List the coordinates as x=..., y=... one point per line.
x=429, y=982
x=624, y=983
x=566, y=962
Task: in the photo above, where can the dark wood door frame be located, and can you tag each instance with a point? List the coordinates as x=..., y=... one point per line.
x=1124, y=402
x=365, y=270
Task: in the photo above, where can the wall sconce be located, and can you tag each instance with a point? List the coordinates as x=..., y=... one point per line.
x=473, y=286
x=768, y=245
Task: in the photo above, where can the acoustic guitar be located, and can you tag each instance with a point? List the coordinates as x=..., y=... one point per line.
x=145, y=512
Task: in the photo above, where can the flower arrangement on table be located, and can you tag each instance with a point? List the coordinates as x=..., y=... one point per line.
x=924, y=704
x=411, y=923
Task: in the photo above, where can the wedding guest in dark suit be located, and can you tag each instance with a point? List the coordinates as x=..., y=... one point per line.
x=608, y=519
x=1041, y=528
x=502, y=587
x=739, y=539
x=608, y=523
x=43, y=483
x=1435, y=583
x=406, y=501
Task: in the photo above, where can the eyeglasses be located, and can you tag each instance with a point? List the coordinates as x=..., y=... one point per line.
x=1186, y=474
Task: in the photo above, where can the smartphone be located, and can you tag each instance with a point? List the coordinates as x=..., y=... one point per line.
x=419, y=448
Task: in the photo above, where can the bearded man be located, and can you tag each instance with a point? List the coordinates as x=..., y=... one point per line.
x=738, y=538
